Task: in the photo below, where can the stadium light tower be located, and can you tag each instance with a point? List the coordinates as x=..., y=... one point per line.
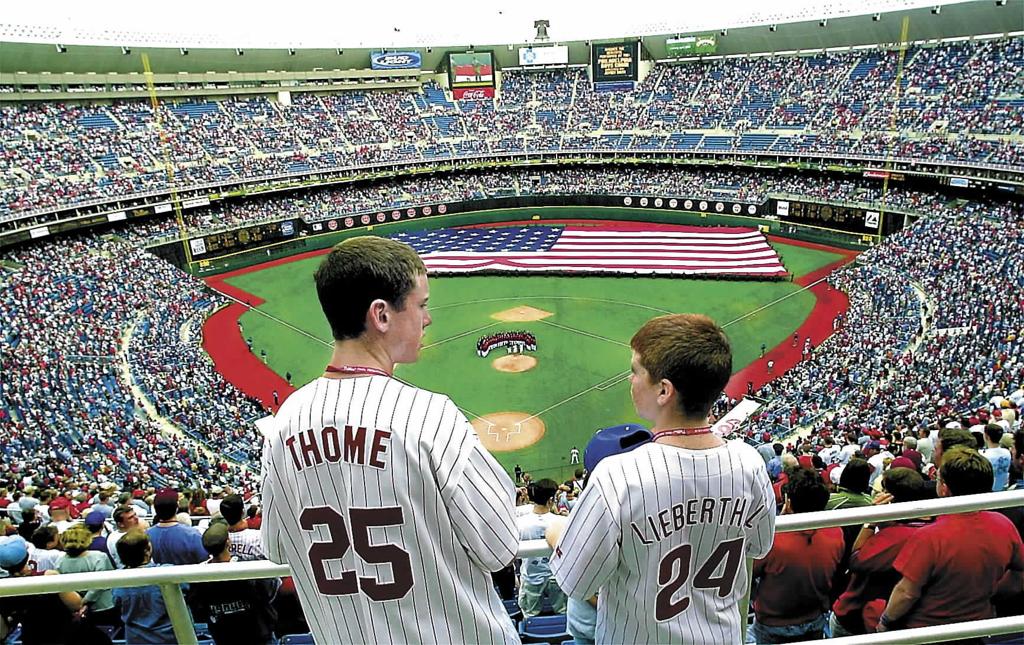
x=542, y=29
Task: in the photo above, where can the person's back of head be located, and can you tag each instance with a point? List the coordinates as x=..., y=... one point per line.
x=216, y=540
x=44, y=536
x=904, y=484
x=134, y=548
x=856, y=475
x=166, y=505
x=994, y=433
x=76, y=539
x=779, y=449
x=232, y=509
x=965, y=471
x=805, y=492
x=909, y=443
x=543, y=491
x=690, y=351
x=359, y=271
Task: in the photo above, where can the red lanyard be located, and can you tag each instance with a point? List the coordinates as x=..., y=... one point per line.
x=682, y=432
x=356, y=369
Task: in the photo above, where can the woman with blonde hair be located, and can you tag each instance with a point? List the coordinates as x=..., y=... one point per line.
x=98, y=604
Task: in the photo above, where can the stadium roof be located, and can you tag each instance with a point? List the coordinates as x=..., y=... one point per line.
x=396, y=23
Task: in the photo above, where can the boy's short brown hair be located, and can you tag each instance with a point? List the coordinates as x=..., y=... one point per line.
x=692, y=352
x=132, y=548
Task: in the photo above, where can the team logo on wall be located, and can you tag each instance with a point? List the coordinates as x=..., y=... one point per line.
x=333, y=224
x=752, y=209
x=427, y=210
x=395, y=215
x=627, y=201
x=719, y=206
x=688, y=204
x=658, y=202
x=871, y=219
x=703, y=206
x=381, y=217
x=643, y=201
x=736, y=208
x=443, y=208
x=672, y=203
x=365, y=219
x=318, y=226
x=411, y=212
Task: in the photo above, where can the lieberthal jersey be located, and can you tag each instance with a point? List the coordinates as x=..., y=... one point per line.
x=664, y=533
x=390, y=513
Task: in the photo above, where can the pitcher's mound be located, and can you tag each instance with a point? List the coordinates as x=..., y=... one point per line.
x=514, y=363
x=505, y=431
x=524, y=313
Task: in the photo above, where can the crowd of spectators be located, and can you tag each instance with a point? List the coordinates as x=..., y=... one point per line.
x=954, y=97
x=67, y=407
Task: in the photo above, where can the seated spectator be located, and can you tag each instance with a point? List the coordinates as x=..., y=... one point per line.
x=125, y=519
x=81, y=558
x=44, y=618
x=46, y=547
x=246, y=543
x=945, y=578
x=241, y=611
x=173, y=542
x=998, y=456
x=853, y=489
x=796, y=576
x=872, y=577
x=536, y=577
x=142, y=608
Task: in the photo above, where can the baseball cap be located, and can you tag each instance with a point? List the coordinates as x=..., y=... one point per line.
x=612, y=441
x=903, y=462
x=95, y=519
x=215, y=538
x=13, y=552
x=60, y=503
x=165, y=502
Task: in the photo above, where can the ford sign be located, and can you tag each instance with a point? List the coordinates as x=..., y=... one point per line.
x=396, y=60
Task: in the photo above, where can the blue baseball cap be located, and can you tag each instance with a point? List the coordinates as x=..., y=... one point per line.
x=13, y=552
x=613, y=441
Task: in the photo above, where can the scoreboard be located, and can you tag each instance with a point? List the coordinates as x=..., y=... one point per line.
x=238, y=239
x=615, y=62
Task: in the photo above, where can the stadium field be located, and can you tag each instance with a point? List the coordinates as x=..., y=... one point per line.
x=582, y=325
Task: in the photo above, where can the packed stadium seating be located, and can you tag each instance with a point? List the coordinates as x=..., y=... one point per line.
x=954, y=104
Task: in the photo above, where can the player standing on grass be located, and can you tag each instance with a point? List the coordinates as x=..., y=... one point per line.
x=663, y=531
x=379, y=494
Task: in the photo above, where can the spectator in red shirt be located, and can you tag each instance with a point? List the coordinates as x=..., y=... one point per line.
x=796, y=575
x=960, y=575
x=872, y=577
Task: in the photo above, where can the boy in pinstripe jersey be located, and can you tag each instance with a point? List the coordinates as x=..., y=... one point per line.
x=662, y=531
x=377, y=493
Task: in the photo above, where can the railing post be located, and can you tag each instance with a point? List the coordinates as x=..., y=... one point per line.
x=177, y=610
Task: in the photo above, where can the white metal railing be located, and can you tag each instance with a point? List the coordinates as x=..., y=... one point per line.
x=169, y=578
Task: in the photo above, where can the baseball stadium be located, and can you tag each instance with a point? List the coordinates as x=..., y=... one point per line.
x=836, y=189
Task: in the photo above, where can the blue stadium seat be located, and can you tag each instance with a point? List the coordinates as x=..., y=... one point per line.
x=544, y=629
x=297, y=639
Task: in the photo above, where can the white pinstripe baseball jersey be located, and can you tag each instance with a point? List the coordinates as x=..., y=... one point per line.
x=246, y=545
x=663, y=533
x=390, y=513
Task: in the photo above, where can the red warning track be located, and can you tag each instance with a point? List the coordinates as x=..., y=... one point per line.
x=223, y=341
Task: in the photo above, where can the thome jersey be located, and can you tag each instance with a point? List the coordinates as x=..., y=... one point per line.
x=390, y=513
x=664, y=533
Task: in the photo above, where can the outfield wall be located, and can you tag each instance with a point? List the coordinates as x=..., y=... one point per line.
x=306, y=237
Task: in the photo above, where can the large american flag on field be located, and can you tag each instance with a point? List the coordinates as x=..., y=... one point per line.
x=625, y=248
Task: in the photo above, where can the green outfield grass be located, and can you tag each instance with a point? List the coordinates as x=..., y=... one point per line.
x=583, y=355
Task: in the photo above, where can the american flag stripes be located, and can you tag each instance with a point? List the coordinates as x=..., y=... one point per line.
x=686, y=250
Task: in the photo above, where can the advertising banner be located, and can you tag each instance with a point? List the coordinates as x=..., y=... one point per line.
x=691, y=45
x=473, y=93
x=395, y=60
x=554, y=55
